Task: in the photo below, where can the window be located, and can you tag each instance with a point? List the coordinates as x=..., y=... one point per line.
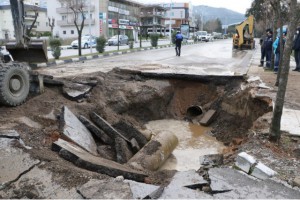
x=64, y=32
x=64, y=17
x=72, y=32
x=46, y=23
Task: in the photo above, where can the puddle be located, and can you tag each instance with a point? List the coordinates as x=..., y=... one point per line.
x=193, y=143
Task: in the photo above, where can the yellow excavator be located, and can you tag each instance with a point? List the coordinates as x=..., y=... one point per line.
x=244, y=37
x=14, y=72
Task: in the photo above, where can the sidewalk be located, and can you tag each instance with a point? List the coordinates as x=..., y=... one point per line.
x=290, y=121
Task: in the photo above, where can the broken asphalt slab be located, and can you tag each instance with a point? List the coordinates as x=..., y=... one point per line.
x=13, y=161
x=75, y=91
x=242, y=186
x=38, y=184
x=74, y=130
x=87, y=161
x=179, y=187
x=115, y=189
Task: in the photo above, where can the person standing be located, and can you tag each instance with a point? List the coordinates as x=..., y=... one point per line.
x=276, y=48
x=296, y=48
x=268, y=48
x=263, y=48
x=178, y=41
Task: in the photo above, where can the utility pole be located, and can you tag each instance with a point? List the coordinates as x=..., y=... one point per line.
x=118, y=30
x=170, y=23
x=90, y=19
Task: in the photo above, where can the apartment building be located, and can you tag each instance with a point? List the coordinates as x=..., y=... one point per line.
x=107, y=17
x=152, y=19
x=177, y=14
x=6, y=20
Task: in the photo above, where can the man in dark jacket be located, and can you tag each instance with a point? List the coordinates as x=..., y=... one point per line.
x=268, y=47
x=296, y=48
x=263, y=48
x=178, y=40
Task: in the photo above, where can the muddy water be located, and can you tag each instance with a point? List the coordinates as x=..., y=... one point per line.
x=193, y=143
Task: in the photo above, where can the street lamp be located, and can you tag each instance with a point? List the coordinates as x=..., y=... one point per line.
x=170, y=23
x=90, y=39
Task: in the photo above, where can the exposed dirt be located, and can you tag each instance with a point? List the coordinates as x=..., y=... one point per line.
x=136, y=100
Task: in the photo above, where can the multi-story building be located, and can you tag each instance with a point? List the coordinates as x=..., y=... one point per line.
x=152, y=18
x=177, y=14
x=64, y=19
x=107, y=17
x=6, y=20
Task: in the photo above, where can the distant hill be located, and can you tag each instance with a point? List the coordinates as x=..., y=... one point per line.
x=225, y=15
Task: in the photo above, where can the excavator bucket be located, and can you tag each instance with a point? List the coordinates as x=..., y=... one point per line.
x=35, y=52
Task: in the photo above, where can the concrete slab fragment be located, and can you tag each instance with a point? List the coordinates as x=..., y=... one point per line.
x=38, y=184
x=208, y=117
x=245, y=161
x=75, y=131
x=76, y=91
x=263, y=172
x=105, y=189
x=243, y=186
x=122, y=150
x=140, y=190
x=13, y=161
x=290, y=121
x=130, y=132
x=85, y=160
x=95, y=130
x=9, y=134
x=176, y=189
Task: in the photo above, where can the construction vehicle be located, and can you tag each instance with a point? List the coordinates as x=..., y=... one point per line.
x=14, y=72
x=244, y=37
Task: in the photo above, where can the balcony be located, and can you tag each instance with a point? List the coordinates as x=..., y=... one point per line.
x=71, y=22
x=152, y=14
x=68, y=10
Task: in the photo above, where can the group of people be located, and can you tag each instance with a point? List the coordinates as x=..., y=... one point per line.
x=267, y=45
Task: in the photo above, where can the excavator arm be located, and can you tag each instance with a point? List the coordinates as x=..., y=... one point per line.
x=241, y=29
x=23, y=49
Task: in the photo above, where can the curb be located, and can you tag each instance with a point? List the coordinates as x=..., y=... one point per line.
x=105, y=54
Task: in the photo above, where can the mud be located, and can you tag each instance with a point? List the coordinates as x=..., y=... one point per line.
x=137, y=100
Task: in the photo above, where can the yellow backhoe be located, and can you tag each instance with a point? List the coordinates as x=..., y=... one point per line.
x=14, y=72
x=244, y=37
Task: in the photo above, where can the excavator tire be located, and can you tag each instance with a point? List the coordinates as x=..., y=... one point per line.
x=14, y=83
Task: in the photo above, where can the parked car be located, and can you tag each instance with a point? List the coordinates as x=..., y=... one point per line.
x=5, y=55
x=86, y=42
x=202, y=36
x=123, y=39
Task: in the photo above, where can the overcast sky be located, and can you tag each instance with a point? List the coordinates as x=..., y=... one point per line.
x=236, y=5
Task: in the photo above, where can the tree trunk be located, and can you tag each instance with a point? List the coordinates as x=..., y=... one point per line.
x=275, y=133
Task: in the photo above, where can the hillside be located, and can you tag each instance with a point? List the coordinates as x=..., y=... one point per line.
x=225, y=15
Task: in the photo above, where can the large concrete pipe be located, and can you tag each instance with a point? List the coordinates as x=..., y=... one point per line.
x=155, y=152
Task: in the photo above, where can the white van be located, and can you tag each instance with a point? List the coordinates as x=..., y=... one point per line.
x=202, y=36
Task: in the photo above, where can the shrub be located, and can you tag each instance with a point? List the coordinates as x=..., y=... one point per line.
x=100, y=47
x=55, y=47
x=130, y=42
x=154, y=39
x=173, y=37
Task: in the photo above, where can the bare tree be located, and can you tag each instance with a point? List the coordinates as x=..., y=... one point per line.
x=78, y=8
x=51, y=24
x=198, y=21
x=275, y=133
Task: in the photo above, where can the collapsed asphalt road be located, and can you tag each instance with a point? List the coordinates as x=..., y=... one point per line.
x=31, y=169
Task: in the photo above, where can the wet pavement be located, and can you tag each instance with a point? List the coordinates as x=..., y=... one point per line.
x=214, y=58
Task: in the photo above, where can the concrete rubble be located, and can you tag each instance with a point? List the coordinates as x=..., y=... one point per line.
x=250, y=165
x=75, y=91
x=85, y=160
x=75, y=131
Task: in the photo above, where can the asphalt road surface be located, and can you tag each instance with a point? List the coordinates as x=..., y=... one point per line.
x=211, y=58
